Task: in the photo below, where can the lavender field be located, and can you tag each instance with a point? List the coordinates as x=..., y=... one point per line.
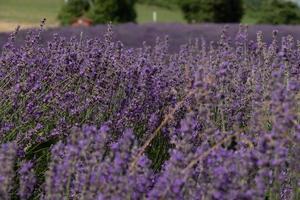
x=103, y=115
x=133, y=35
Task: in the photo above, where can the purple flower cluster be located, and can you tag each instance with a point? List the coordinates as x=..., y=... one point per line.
x=91, y=119
x=27, y=180
x=90, y=166
x=7, y=160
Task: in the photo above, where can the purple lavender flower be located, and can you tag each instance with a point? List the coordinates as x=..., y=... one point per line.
x=27, y=180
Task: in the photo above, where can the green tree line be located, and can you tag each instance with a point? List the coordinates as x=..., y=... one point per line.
x=194, y=11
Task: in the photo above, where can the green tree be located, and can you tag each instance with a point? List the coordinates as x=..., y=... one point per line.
x=161, y=3
x=253, y=4
x=115, y=11
x=279, y=12
x=212, y=10
x=72, y=10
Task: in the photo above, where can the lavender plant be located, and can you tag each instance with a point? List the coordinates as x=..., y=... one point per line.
x=92, y=119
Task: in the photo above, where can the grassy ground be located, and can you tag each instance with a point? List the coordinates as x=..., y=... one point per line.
x=28, y=13
x=249, y=18
x=145, y=13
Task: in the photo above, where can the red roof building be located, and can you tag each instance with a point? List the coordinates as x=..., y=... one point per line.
x=82, y=22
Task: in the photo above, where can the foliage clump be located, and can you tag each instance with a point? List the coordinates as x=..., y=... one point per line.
x=72, y=10
x=161, y=3
x=99, y=11
x=279, y=12
x=115, y=11
x=212, y=11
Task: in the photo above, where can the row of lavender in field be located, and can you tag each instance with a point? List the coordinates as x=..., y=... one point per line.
x=132, y=35
x=90, y=119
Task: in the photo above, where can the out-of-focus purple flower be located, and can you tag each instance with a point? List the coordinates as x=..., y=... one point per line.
x=27, y=180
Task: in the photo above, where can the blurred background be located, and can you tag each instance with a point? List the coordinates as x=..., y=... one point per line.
x=28, y=13
x=138, y=21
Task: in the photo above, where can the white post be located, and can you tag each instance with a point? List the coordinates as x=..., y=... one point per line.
x=154, y=16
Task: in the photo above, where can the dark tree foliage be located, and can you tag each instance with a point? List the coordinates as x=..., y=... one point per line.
x=72, y=10
x=279, y=12
x=115, y=11
x=212, y=11
x=253, y=4
x=161, y=3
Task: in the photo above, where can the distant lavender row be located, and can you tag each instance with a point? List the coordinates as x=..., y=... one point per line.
x=133, y=35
